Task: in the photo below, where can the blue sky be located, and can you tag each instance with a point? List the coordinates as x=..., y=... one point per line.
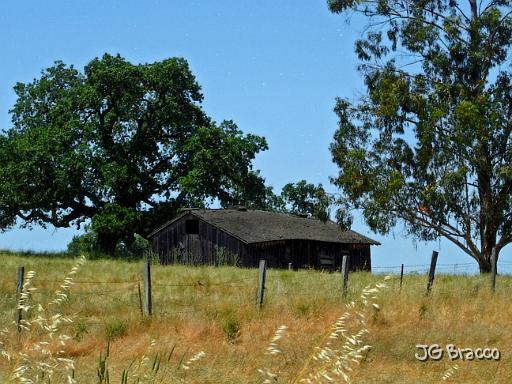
x=274, y=68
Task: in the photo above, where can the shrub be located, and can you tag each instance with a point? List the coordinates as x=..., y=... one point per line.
x=423, y=310
x=231, y=328
x=79, y=329
x=140, y=248
x=115, y=330
x=303, y=309
x=80, y=244
x=86, y=243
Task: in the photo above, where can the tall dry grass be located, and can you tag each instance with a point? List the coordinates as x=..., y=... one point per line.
x=38, y=354
x=213, y=310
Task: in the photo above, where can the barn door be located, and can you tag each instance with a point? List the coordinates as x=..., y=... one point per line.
x=194, y=254
x=326, y=259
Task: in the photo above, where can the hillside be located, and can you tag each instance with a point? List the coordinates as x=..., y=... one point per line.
x=213, y=310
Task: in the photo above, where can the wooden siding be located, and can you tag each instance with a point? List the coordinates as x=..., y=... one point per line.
x=213, y=246
x=174, y=245
x=309, y=254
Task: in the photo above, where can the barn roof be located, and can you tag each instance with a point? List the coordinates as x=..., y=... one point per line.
x=255, y=226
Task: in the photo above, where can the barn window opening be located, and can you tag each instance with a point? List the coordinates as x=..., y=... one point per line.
x=192, y=227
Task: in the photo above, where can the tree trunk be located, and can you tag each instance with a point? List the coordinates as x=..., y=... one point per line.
x=484, y=265
x=485, y=262
x=106, y=243
x=128, y=240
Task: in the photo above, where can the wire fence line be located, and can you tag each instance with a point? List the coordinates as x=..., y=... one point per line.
x=132, y=293
x=238, y=283
x=503, y=267
x=86, y=282
x=205, y=283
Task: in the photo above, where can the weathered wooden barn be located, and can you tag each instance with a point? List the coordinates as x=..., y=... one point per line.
x=242, y=237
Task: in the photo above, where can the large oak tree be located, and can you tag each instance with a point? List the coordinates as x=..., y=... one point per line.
x=123, y=145
x=429, y=144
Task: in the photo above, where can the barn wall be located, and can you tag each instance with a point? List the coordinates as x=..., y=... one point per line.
x=309, y=254
x=208, y=246
x=212, y=246
x=360, y=259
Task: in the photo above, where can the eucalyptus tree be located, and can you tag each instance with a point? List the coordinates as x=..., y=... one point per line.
x=429, y=142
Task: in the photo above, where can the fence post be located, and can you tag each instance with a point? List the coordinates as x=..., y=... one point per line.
x=140, y=301
x=290, y=266
x=431, y=272
x=401, y=277
x=148, y=304
x=261, y=281
x=344, y=275
x=19, y=287
x=493, y=269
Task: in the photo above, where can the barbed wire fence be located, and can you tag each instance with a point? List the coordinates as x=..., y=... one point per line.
x=138, y=294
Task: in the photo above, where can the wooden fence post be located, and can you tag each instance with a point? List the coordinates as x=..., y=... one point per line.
x=141, y=307
x=148, y=304
x=261, y=281
x=344, y=275
x=432, y=272
x=401, y=277
x=494, y=269
x=19, y=287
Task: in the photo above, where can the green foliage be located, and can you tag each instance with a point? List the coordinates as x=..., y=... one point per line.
x=79, y=329
x=224, y=257
x=114, y=218
x=303, y=309
x=102, y=369
x=115, y=330
x=139, y=248
x=122, y=145
x=429, y=143
x=86, y=244
x=231, y=327
x=423, y=310
x=82, y=244
x=307, y=199
x=140, y=245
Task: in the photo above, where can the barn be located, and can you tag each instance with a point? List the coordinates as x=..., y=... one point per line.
x=242, y=237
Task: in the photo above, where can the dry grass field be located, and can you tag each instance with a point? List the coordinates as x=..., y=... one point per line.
x=212, y=310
